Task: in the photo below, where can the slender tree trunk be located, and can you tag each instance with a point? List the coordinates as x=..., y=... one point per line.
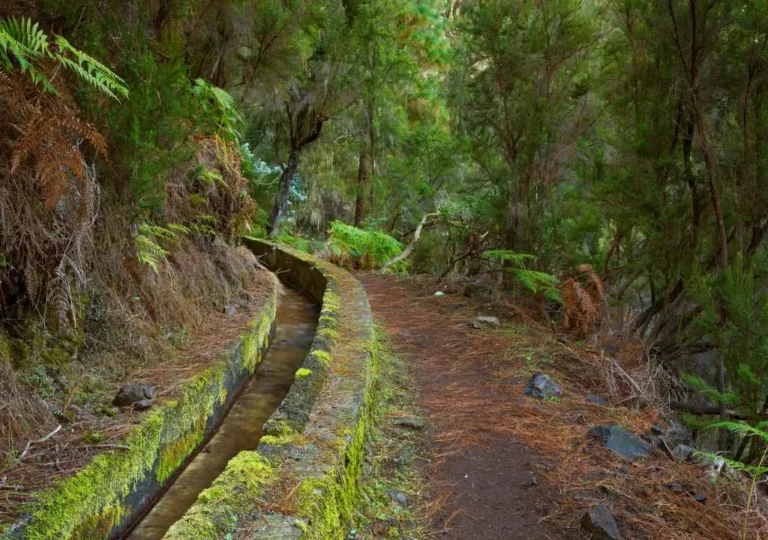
x=281, y=199
x=363, y=175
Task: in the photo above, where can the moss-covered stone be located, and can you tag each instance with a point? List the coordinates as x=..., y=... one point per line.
x=93, y=503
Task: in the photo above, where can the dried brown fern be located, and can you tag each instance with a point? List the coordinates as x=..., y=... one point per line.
x=583, y=301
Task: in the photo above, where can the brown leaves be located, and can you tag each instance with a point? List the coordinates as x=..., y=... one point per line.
x=51, y=142
x=583, y=300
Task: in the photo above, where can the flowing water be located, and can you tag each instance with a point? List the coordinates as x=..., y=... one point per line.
x=242, y=428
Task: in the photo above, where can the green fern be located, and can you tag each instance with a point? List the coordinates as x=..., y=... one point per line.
x=219, y=106
x=25, y=45
x=537, y=282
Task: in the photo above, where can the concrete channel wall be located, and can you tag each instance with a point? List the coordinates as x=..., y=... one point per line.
x=107, y=496
x=303, y=479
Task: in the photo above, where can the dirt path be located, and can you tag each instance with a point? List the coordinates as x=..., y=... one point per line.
x=488, y=481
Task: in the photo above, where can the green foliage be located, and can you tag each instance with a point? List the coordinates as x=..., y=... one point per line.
x=219, y=108
x=25, y=45
x=147, y=242
x=533, y=280
x=361, y=248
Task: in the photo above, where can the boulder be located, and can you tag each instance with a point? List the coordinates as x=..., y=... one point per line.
x=620, y=441
x=131, y=393
x=599, y=523
x=542, y=386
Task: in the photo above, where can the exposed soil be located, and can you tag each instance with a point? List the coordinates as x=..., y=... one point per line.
x=489, y=441
x=487, y=479
x=94, y=426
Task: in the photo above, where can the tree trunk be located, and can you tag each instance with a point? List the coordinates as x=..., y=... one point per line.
x=281, y=199
x=363, y=175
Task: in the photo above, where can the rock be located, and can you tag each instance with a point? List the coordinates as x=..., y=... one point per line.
x=131, y=393
x=599, y=523
x=490, y=321
x=230, y=311
x=674, y=487
x=701, y=498
x=596, y=400
x=620, y=441
x=439, y=293
x=542, y=386
x=683, y=452
x=657, y=430
x=143, y=405
x=397, y=496
x=410, y=422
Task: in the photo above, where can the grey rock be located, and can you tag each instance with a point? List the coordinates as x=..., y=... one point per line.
x=397, y=496
x=674, y=487
x=596, y=400
x=701, y=498
x=410, y=422
x=599, y=523
x=131, y=393
x=487, y=320
x=683, y=452
x=230, y=311
x=542, y=386
x=143, y=405
x=620, y=441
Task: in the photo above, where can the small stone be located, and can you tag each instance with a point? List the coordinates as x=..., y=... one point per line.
x=230, y=311
x=410, y=422
x=490, y=321
x=397, y=496
x=701, y=498
x=596, y=400
x=131, y=393
x=683, y=452
x=620, y=441
x=674, y=487
x=657, y=430
x=542, y=386
x=599, y=523
x=143, y=405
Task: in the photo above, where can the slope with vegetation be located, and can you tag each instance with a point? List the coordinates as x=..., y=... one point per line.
x=597, y=166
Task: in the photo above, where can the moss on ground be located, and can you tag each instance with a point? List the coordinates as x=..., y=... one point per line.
x=390, y=468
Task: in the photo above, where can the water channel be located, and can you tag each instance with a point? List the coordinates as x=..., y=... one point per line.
x=241, y=429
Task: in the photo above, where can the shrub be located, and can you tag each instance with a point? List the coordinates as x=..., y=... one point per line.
x=350, y=246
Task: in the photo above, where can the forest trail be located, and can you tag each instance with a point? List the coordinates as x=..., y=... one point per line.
x=485, y=482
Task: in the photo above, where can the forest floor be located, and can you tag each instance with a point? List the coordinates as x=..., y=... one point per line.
x=499, y=464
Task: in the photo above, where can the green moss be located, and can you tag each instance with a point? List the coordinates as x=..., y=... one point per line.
x=302, y=373
x=90, y=502
x=324, y=357
x=232, y=493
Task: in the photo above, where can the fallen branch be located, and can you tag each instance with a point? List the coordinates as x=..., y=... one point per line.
x=30, y=443
x=407, y=251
